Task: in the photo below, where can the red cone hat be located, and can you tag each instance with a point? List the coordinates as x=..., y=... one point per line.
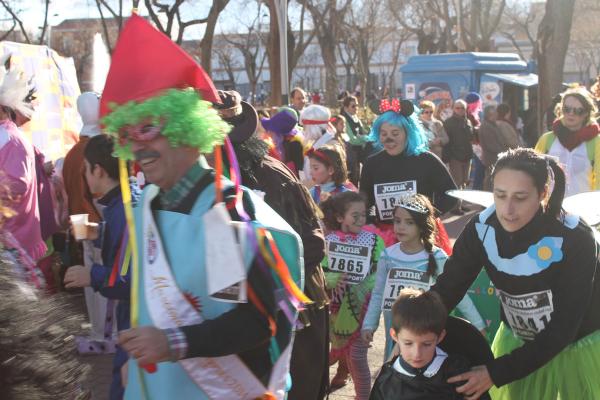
x=146, y=62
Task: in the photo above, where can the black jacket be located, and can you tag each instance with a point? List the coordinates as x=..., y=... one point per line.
x=393, y=385
x=565, y=276
x=431, y=176
x=460, y=135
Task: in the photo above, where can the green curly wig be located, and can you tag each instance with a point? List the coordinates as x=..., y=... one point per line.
x=188, y=120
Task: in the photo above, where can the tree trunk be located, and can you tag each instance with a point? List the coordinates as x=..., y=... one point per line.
x=291, y=42
x=273, y=56
x=329, y=59
x=207, y=40
x=365, y=59
x=253, y=84
x=474, y=31
x=348, y=68
x=553, y=37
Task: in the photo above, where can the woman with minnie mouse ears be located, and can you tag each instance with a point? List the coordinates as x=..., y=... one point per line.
x=404, y=166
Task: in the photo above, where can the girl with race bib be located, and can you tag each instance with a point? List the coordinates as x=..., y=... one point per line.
x=544, y=267
x=329, y=173
x=352, y=255
x=414, y=262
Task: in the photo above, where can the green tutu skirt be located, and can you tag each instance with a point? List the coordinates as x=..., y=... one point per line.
x=574, y=374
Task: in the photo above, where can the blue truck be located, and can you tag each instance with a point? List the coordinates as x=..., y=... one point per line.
x=497, y=77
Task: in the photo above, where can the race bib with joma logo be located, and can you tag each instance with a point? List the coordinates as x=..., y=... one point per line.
x=353, y=260
x=401, y=278
x=527, y=314
x=388, y=196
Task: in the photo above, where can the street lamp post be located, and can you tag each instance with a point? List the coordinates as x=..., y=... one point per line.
x=281, y=9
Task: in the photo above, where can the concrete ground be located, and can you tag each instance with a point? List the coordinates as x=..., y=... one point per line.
x=99, y=379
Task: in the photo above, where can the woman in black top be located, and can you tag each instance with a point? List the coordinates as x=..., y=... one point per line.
x=542, y=263
x=404, y=166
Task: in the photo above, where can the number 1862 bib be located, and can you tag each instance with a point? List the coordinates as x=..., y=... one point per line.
x=401, y=278
x=351, y=259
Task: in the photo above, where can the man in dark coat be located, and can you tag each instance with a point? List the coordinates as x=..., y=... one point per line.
x=290, y=199
x=459, y=151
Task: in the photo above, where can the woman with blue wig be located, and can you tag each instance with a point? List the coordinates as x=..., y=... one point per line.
x=404, y=166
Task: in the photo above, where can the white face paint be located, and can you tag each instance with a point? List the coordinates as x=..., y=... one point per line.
x=393, y=138
x=354, y=218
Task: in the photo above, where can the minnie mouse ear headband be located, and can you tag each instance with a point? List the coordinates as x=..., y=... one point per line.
x=402, y=107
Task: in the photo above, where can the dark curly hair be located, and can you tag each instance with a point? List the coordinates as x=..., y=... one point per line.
x=336, y=206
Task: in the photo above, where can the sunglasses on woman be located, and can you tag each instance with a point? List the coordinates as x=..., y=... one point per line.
x=579, y=111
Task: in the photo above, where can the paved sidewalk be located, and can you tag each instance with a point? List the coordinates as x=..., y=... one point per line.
x=375, y=356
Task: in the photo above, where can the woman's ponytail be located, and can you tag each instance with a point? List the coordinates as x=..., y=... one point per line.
x=557, y=182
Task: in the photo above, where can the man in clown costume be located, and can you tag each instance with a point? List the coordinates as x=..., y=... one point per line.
x=214, y=293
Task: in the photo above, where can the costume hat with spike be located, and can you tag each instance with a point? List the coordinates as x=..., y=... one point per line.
x=15, y=89
x=152, y=80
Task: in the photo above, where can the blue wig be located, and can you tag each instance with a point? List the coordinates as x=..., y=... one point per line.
x=416, y=141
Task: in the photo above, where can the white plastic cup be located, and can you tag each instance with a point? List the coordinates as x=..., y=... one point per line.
x=79, y=224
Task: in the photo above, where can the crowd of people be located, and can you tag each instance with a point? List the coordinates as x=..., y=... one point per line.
x=230, y=253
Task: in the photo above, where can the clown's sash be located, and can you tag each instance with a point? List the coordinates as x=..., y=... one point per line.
x=219, y=377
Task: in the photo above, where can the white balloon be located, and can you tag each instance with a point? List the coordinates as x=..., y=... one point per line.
x=478, y=197
x=586, y=205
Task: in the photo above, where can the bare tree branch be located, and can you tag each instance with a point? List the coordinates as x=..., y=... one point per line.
x=45, y=24
x=104, y=26
x=297, y=44
x=430, y=21
x=510, y=36
x=365, y=32
x=251, y=46
x=16, y=18
x=110, y=9
x=228, y=62
x=9, y=31
x=327, y=19
x=520, y=19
